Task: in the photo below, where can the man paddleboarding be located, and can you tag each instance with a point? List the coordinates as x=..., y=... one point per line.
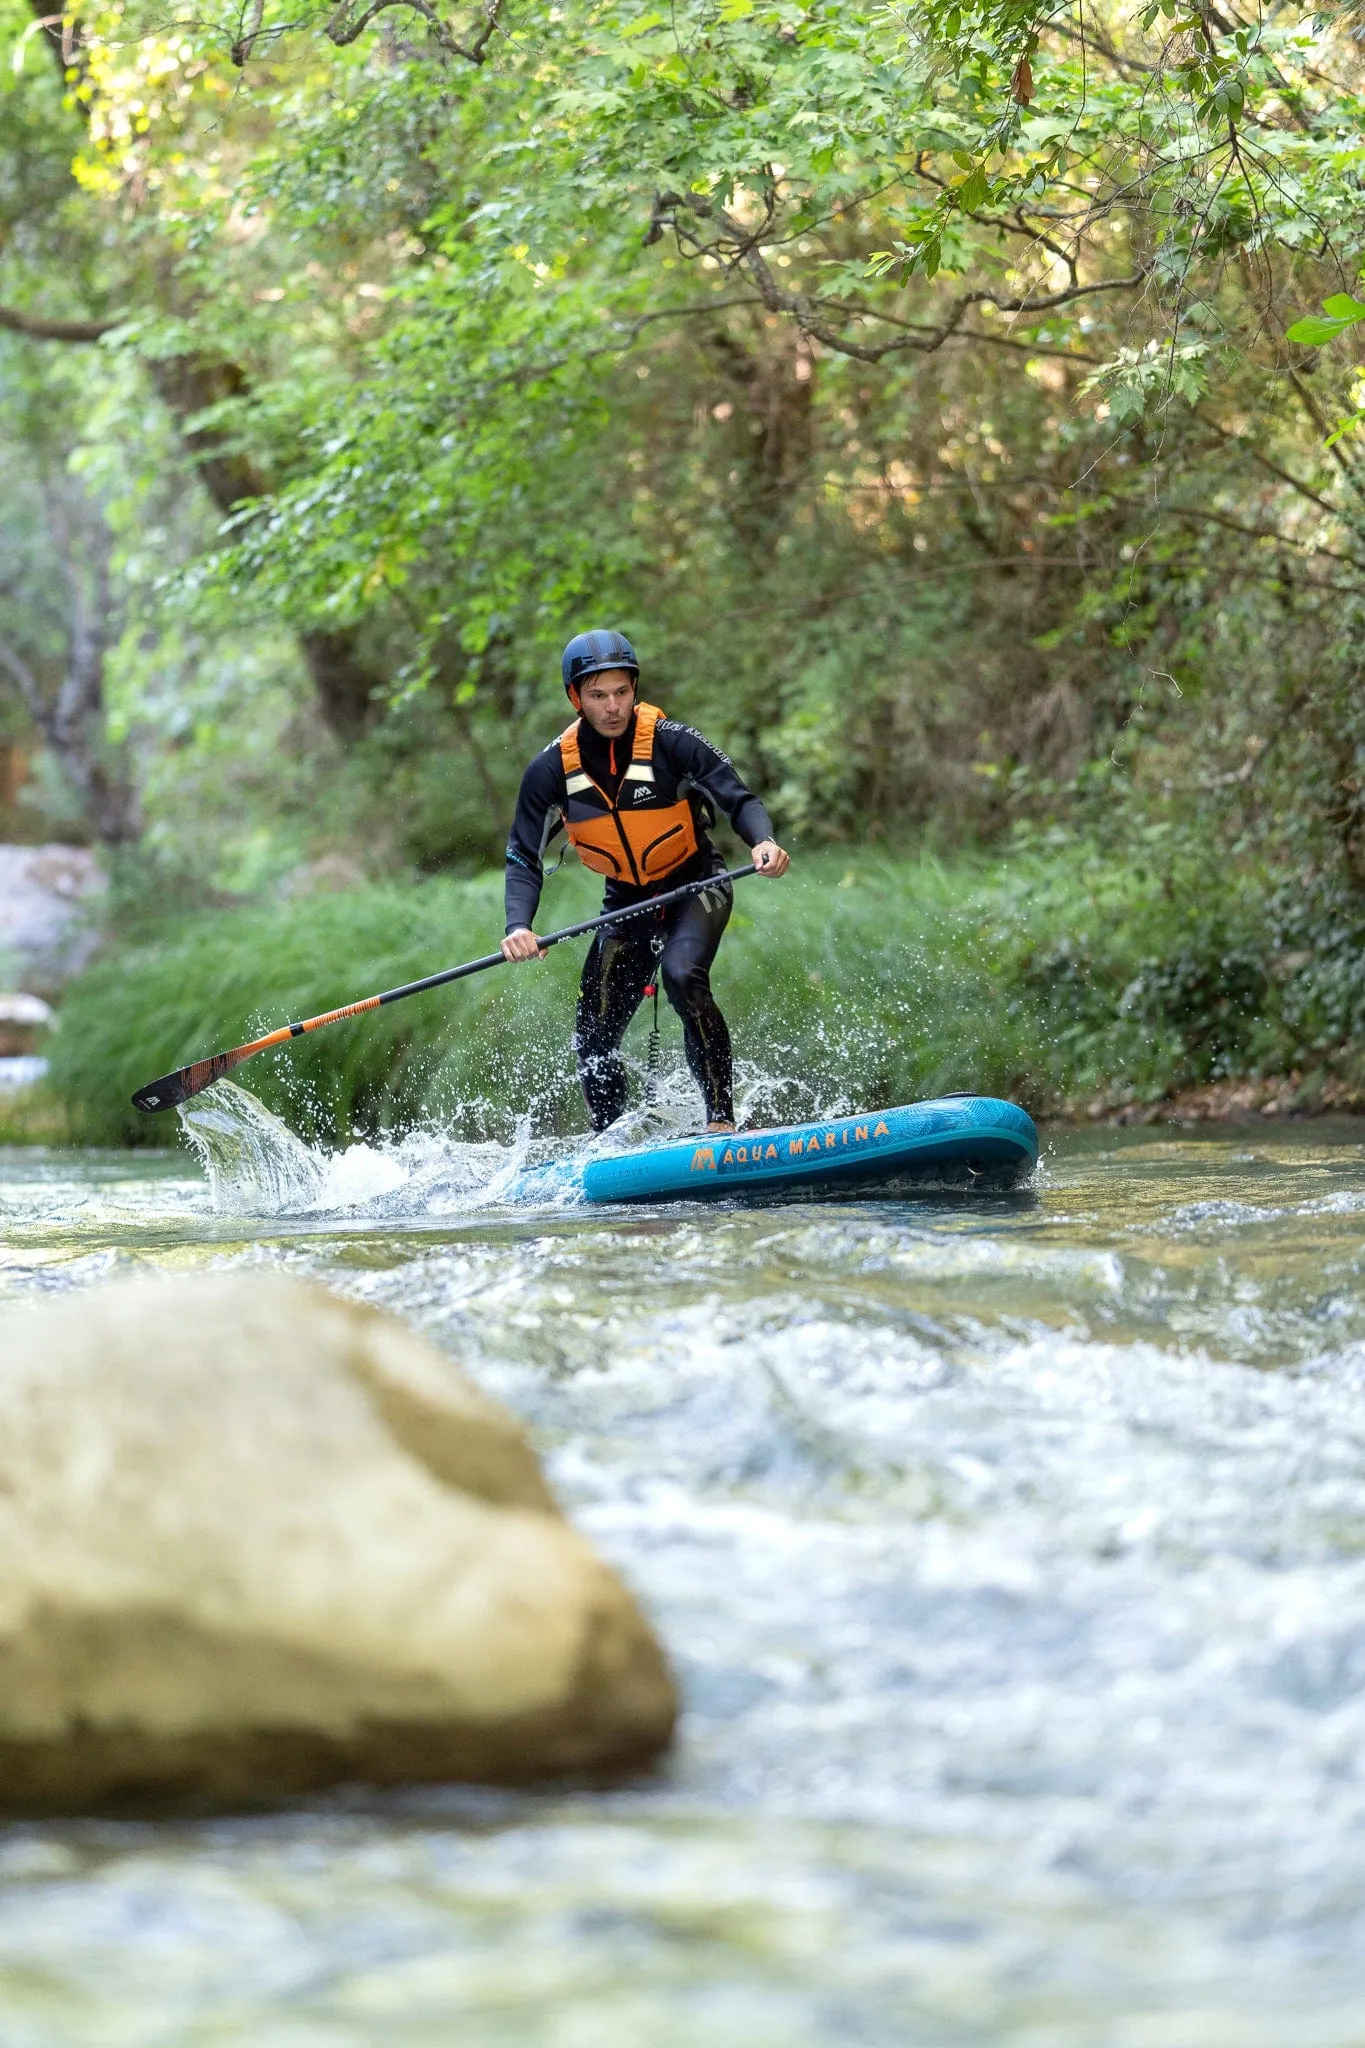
x=635, y=792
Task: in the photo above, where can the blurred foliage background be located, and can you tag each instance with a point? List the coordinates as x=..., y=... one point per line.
x=938, y=396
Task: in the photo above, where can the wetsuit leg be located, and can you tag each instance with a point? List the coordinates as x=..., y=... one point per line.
x=609, y=994
x=695, y=928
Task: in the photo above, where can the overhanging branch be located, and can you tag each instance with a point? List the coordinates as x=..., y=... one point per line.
x=738, y=248
x=39, y=328
x=344, y=27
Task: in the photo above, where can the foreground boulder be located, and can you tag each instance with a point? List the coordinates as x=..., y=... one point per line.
x=255, y=1540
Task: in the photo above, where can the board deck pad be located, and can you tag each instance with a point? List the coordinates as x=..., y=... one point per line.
x=957, y=1140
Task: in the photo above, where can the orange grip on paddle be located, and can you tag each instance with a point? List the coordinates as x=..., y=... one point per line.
x=332, y=1016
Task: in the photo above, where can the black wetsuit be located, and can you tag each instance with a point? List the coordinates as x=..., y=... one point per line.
x=621, y=962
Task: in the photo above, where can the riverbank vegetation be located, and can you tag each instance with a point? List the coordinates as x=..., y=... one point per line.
x=940, y=399
x=1059, y=978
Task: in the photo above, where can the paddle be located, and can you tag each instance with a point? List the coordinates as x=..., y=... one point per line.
x=173, y=1089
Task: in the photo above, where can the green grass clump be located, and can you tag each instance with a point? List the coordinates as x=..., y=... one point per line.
x=213, y=980
x=856, y=980
x=36, y=1116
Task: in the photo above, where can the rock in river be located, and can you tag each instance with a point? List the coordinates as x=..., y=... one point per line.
x=50, y=897
x=256, y=1540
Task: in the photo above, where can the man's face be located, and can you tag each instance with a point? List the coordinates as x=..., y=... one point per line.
x=607, y=701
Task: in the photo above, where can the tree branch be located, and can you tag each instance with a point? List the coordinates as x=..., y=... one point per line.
x=1209, y=517
x=737, y=248
x=1259, y=456
x=37, y=328
x=341, y=31
x=860, y=312
x=60, y=34
x=1311, y=407
x=246, y=41
x=24, y=678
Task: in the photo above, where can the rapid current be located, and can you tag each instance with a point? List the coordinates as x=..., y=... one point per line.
x=1010, y=1552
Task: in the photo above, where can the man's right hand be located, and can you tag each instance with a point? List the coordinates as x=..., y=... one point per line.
x=522, y=945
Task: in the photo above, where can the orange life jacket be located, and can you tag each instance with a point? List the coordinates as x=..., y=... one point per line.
x=637, y=839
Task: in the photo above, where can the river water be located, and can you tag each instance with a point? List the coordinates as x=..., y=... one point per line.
x=1010, y=1552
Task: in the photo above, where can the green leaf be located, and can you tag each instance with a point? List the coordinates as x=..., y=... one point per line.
x=1315, y=329
x=1347, y=426
x=1312, y=331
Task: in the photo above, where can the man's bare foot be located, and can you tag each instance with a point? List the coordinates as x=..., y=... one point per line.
x=719, y=1127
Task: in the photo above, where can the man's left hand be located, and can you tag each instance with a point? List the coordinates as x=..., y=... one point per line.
x=770, y=860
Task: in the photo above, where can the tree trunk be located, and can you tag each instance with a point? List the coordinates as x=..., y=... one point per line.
x=344, y=682
x=66, y=701
x=189, y=385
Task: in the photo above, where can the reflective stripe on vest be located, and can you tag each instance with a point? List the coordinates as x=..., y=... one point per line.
x=645, y=841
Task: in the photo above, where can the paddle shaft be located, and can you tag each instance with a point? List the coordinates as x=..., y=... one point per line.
x=173, y=1089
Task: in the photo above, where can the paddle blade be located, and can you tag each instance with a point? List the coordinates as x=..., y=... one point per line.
x=173, y=1089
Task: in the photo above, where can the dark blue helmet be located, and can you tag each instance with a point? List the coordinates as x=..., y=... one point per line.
x=589, y=654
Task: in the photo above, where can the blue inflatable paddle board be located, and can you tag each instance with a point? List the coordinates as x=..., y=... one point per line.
x=957, y=1141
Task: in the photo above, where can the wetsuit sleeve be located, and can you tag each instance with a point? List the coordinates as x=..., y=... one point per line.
x=694, y=758
x=540, y=795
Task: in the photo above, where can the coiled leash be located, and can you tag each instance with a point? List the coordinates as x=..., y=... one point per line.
x=654, y=1057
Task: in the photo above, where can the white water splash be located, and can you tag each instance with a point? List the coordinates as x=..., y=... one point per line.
x=254, y=1164
x=257, y=1166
